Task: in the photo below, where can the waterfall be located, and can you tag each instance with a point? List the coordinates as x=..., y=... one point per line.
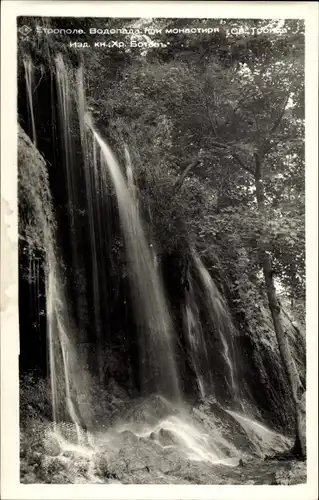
x=64, y=106
x=66, y=376
x=220, y=320
x=91, y=189
x=197, y=342
x=29, y=80
x=106, y=421
x=129, y=169
x=158, y=367
x=65, y=372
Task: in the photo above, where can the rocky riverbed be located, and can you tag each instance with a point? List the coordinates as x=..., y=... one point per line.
x=155, y=444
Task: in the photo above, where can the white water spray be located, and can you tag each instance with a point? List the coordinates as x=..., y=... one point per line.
x=263, y=438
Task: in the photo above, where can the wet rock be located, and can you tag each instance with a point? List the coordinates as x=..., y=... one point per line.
x=212, y=413
x=33, y=193
x=34, y=459
x=167, y=438
x=52, y=466
x=68, y=454
x=152, y=409
x=129, y=438
x=116, y=390
x=101, y=466
x=80, y=466
x=38, y=447
x=51, y=448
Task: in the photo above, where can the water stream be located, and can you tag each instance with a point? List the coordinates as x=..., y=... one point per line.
x=91, y=188
x=158, y=366
x=220, y=320
x=197, y=342
x=29, y=79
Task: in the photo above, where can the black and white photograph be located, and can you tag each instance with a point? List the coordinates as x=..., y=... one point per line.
x=161, y=250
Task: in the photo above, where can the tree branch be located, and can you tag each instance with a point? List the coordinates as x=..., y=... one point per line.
x=181, y=178
x=209, y=115
x=281, y=114
x=243, y=99
x=219, y=145
x=277, y=122
x=242, y=164
x=234, y=155
x=258, y=167
x=252, y=111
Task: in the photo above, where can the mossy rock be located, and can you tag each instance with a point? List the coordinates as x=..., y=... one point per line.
x=35, y=202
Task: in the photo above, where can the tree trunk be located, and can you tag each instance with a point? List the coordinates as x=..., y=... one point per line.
x=297, y=389
x=181, y=178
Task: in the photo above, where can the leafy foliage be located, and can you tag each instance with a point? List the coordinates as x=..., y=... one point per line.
x=214, y=99
x=171, y=110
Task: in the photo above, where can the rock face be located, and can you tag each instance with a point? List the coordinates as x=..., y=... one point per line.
x=36, y=222
x=260, y=368
x=35, y=201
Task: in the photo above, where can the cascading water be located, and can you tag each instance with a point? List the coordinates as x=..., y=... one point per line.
x=67, y=379
x=220, y=320
x=129, y=169
x=64, y=106
x=91, y=179
x=197, y=343
x=29, y=80
x=158, y=367
x=261, y=436
x=191, y=434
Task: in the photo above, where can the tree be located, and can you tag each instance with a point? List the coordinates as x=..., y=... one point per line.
x=270, y=132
